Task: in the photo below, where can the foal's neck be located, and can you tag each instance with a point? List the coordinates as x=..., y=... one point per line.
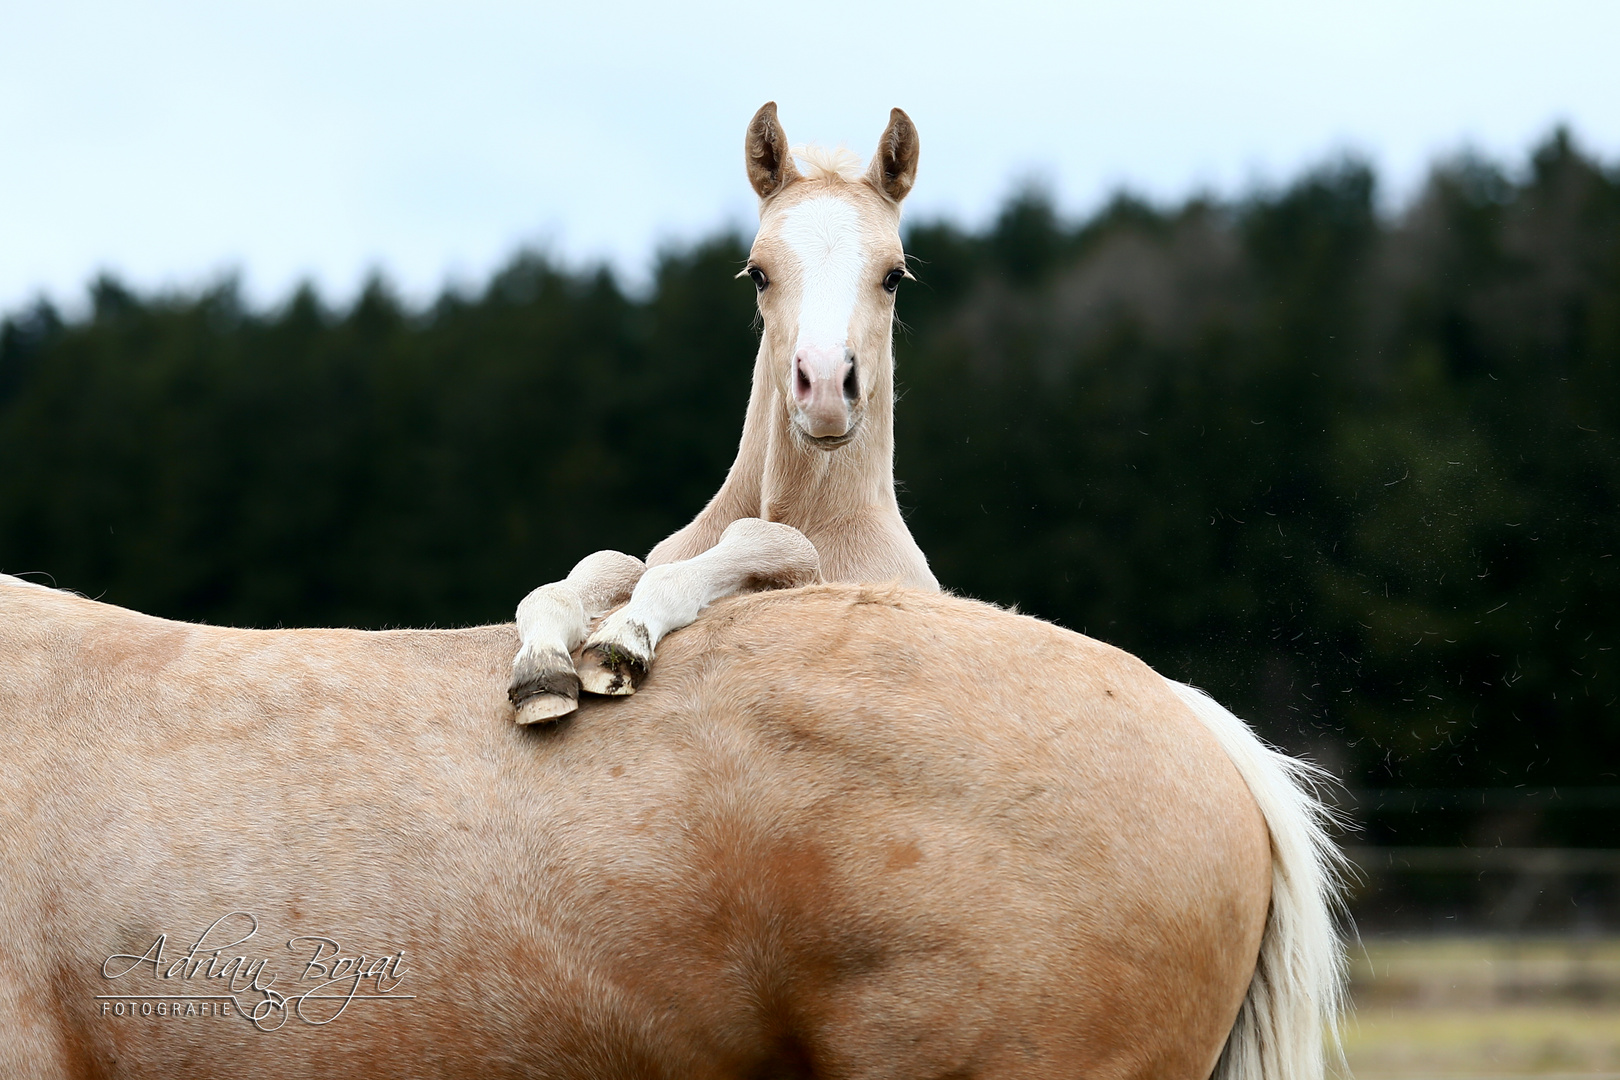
x=843, y=500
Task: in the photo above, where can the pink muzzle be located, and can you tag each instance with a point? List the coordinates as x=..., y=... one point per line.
x=825, y=388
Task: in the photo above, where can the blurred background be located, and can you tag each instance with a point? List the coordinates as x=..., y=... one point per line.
x=1279, y=345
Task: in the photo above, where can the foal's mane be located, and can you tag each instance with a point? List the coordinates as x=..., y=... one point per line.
x=821, y=163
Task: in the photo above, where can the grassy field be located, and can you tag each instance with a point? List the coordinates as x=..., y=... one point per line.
x=1450, y=1008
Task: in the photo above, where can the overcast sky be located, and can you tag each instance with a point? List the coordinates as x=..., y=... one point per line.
x=172, y=143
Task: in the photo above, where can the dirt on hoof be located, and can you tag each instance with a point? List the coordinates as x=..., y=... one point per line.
x=543, y=693
x=606, y=670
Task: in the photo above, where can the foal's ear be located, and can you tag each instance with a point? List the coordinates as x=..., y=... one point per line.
x=770, y=163
x=894, y=166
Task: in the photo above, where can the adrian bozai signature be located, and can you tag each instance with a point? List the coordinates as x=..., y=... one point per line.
x=210, y=981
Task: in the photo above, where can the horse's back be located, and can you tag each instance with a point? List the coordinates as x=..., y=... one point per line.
x=840, y=829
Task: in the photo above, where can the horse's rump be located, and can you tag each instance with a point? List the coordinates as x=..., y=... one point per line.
x=841, y=829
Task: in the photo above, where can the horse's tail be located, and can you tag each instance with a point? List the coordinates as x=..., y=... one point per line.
x=1297, y=992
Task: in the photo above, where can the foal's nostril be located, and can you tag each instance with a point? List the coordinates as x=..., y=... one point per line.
x=801, y=381
x=852, y=382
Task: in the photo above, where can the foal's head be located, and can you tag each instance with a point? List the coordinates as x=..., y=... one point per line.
x=826, y=263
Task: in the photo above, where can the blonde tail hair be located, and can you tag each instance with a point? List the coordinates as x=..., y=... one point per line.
x=1295, y=998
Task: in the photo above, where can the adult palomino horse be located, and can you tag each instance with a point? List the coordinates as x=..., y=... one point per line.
x=842, y=830
x=817, y=449
x=853, y=831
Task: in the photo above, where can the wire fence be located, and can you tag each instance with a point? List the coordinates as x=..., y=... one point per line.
x=1504, y=888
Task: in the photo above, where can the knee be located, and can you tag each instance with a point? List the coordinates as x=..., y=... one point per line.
x=610, y=569
x=758, y=531
x=557, y=603
x=778, y=551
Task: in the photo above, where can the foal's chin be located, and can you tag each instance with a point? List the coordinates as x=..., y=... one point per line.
x=828, y=443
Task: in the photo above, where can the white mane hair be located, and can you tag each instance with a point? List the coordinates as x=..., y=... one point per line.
x=7, y=579
x=820, y=163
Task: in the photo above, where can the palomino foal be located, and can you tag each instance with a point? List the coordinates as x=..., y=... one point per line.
x=812, y=488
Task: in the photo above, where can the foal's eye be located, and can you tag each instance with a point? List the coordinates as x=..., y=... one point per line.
x=892, y=279
x=760, y=280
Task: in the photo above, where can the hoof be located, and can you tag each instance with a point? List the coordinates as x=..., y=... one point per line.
x=540, y=708
x=543, y=689
x=609, y=670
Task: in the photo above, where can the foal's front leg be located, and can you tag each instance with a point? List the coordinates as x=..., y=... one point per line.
x=551, y=622
x=752, y=554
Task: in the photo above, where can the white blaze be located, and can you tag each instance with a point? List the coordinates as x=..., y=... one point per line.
x=825, y=235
